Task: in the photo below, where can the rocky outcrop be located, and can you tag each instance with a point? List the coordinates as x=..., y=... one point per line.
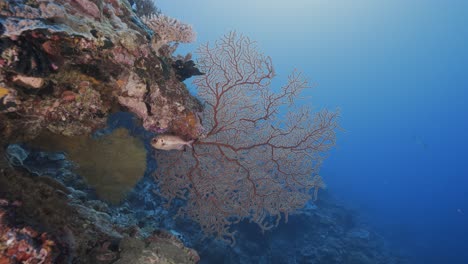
x=66, y=65
x=56, y=224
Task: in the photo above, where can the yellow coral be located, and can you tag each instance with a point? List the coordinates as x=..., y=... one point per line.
x=3, y=91
x=112, y=164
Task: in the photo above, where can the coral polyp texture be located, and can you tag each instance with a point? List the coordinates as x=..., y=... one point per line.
x=66, y=65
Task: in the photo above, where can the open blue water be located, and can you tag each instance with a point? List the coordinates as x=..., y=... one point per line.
x=398, y=70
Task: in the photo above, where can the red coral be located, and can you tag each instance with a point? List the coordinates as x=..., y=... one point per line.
x=22, y=245
x=260, y=149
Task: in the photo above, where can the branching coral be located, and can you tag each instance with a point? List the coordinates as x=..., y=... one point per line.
x=254, y=162
x=317, y=183
x=169, y=30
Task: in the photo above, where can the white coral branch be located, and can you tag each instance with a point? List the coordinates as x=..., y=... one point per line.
x=169, y=29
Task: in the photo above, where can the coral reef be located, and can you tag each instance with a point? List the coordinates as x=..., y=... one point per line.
x=111, y=164
x=319, y=234
x=261, y=145
x=74, y=225
x=185, y=69
x=169, y=30
x=66, y=64
x=144, y=7
x=67, y=226
x=157, y=250
x=22, y=245
x=317, y=183
x=322, y=232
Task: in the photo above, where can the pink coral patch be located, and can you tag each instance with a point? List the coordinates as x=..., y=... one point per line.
x=89, y=7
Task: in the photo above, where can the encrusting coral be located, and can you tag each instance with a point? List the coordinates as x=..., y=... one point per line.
x=66, y=64
x=22, y=244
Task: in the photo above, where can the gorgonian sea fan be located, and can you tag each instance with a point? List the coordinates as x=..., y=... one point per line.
x=256, y=162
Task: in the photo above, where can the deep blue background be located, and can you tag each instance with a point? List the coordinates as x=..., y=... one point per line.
x=398, y=70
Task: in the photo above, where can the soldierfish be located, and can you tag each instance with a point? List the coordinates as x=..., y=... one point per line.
x=169, y=142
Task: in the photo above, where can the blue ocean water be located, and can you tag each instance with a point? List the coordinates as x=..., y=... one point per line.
x=397, y=70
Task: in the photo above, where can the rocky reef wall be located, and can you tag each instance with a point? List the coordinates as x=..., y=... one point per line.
x=66, y=65
x=42, y=221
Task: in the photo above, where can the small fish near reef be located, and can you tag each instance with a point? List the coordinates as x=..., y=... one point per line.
x=169, y=142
